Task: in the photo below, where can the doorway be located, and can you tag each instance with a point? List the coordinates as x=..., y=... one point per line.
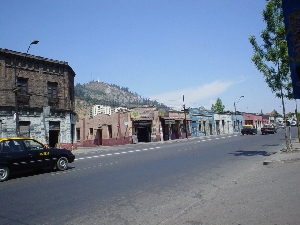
x=143, y=134
x=99, y=136
x=53, y=138
x=54, y=133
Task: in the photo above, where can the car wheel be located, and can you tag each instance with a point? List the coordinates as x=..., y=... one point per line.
x=62, y=163
x=4, y=173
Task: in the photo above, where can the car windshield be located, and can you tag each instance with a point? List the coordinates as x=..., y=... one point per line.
x=33, y=145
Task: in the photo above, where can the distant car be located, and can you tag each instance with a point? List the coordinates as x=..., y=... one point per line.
x=248, y=129
x=280, y=125
x=268, y=129
x=20, y=154
x=293, y=123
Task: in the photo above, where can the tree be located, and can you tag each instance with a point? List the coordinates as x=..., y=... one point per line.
x=271, y=58
x=218, y=107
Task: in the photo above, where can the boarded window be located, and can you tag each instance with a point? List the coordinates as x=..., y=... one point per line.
x=24, y=128
x=52, y=89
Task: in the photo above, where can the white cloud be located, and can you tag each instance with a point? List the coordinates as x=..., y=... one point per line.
x=194, y=96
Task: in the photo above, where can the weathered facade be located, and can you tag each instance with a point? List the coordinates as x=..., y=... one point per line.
x=224, y=123
x=41, y=90
x=174, y=124
x=237, y=121
x=202, y=122
x=143, y=124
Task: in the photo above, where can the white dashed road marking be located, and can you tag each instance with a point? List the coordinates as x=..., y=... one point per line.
x=145, y=149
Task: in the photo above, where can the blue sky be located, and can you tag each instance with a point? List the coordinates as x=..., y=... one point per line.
x=160, y=49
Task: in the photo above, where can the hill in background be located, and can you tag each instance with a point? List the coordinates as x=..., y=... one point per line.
x=99, y=93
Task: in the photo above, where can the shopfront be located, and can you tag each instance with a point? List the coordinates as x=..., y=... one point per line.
x=142, y=120
x=142, y=130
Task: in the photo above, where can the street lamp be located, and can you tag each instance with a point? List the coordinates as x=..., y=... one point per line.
x=16, y=90
x=235, y=110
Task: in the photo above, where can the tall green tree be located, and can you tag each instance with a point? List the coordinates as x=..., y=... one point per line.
x=218, y=107
x=271, y=57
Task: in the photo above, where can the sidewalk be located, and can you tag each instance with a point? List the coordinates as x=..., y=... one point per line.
x=284, y=157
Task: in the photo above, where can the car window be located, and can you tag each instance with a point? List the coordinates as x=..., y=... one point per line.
x=1, y=146
x=12, y=146
x=32, y=145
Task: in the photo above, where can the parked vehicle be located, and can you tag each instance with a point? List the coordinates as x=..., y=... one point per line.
x=280, y=125
x=20, y=154
x=248, y=129
x=268, y=129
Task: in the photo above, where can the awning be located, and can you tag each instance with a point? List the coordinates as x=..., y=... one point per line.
x=139, y=119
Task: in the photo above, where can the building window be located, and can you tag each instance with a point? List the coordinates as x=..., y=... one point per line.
x=44, y=68
x=52, y=90
x=91, y=131
x=24, y=128
x=22, y=85
x=29, y=65
x=8, y=61
x=36, y=66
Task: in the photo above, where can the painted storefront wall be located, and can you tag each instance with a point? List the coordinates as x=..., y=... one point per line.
x=224, y=122
x=202, y=122
x=40, y=126
x=237, y=121
x=253, y=119
x=103, y=129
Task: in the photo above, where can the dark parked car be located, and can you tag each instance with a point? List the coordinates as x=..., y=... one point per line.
x=268, y=129
x=248, y=129
x=23, y=153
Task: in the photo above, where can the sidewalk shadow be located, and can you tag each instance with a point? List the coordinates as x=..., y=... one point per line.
x=252, y=153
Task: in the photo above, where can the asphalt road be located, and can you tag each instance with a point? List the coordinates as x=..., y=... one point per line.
x=210, y=180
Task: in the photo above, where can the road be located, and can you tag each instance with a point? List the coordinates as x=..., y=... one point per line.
x=210, y=180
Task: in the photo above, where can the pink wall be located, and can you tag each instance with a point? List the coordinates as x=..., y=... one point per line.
x=253, y=119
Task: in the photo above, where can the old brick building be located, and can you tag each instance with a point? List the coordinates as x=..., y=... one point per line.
x=41, y=90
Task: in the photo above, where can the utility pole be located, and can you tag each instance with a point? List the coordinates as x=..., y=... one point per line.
x=186, y=135
x=235, y=112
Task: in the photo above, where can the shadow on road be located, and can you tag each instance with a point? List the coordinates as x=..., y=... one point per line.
x=30, y=173
x=251, y=153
